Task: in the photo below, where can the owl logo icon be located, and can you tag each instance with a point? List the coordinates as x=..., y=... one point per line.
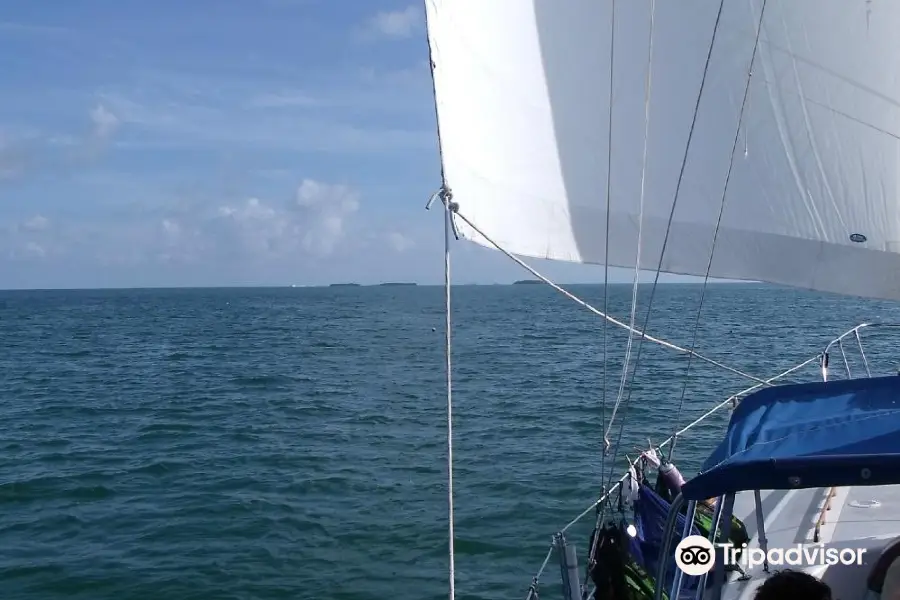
x=695, y=555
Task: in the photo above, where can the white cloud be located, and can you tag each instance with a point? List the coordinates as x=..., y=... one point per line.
x=36, y=223
x=104, y=125
x=325, y=110
x=28, y=239
x=314, y=223
x=287, y=3
x=398, y=24
x=29, y=152
x=325, y=208
x=105, y=122
x=13, y=28
x=35, y=250
x=287, y=99
x=171, y=227
x=327, y=196
x=23, y=251
x=399, y=242
x=173, y=123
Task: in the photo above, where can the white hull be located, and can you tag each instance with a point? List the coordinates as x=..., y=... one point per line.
x=790, y=518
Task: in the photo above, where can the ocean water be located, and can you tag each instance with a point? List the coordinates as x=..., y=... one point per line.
x=290, y=443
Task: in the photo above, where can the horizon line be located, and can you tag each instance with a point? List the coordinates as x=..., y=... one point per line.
x=354, y=284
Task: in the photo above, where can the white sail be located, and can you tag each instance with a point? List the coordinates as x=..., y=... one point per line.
x=522, y=91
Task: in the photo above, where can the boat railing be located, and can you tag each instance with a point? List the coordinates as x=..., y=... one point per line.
x=854, y=335
x=566, y=552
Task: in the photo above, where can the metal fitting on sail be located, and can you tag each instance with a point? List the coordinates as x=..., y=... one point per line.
x=533, y=590
x=446, y=196
x=452, y=207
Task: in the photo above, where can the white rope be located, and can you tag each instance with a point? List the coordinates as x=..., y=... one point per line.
x=609, y=126
x=601, y=314
x=712, y=251
x=626, y=362
x=691, y=425
x=854, y=331
x=532, y=591
x=665, y=241
x=637, y=271
x=449, y=366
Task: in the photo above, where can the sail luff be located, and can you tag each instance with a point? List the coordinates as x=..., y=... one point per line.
x=521, y=89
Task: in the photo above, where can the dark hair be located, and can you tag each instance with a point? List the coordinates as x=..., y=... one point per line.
x=793, y=585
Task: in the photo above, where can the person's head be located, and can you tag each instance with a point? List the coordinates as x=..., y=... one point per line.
x=792, y=585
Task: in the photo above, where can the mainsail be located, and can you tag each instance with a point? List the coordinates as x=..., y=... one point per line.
x=522, y=89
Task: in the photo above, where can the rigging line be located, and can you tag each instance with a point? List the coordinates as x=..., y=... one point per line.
x=609, y=148
x=448, y=227
x=449, y=366
x=665, y=242
x=691, y=425
x=613, y=320
x=597, y=312
x=737, y=135
x=536, y=579
x=637, y=271
x=612, y=47
x=634, y=288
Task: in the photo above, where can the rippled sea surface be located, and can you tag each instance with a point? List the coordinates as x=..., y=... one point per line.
x=290, y=443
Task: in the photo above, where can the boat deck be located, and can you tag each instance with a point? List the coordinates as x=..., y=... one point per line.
x=858, y=517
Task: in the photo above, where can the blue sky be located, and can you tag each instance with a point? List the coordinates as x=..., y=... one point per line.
x=228, y=142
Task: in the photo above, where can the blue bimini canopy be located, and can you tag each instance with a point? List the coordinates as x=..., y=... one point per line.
x=808, y=435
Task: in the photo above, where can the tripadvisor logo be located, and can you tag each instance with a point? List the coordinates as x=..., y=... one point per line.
x=695, y=555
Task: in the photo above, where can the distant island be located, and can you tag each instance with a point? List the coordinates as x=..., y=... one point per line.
x=528, y=282
x=386, y=283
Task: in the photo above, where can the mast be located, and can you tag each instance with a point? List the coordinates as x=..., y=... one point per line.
x=449, y=208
